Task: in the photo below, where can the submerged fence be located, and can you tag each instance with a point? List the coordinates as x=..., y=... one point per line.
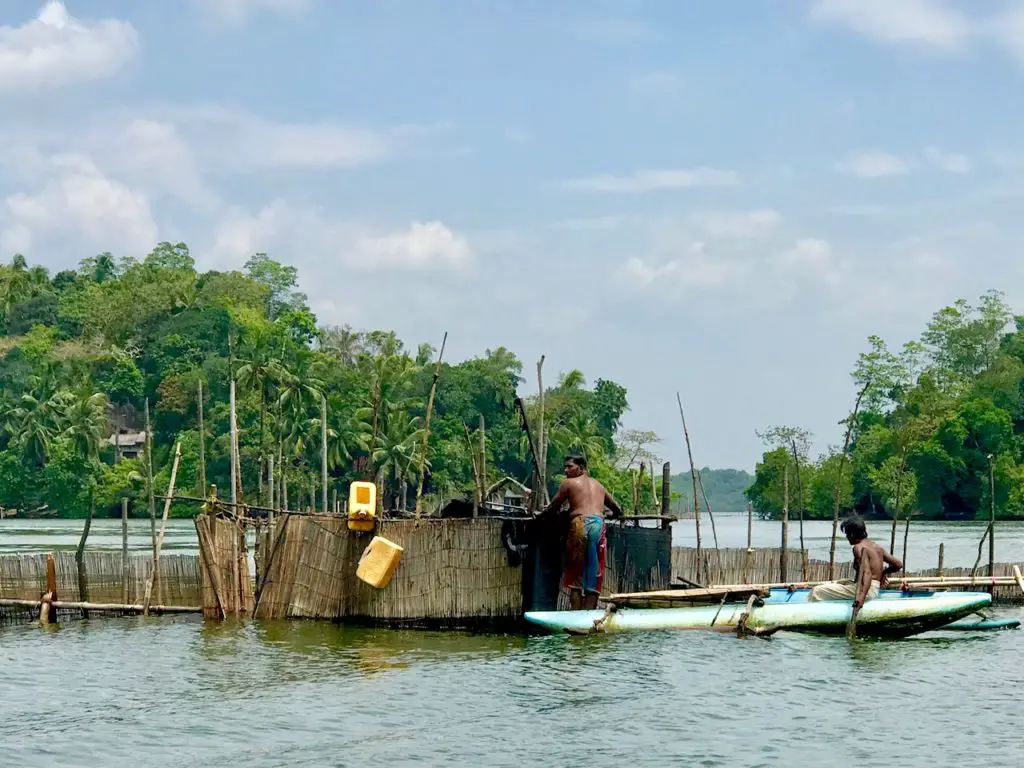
x=763, y=566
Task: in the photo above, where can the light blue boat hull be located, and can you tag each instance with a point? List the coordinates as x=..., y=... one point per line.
x=892, y=614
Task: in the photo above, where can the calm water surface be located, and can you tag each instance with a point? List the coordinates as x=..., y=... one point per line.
x=181, y=692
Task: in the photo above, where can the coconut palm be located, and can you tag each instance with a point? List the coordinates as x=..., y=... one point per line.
x=85, y=423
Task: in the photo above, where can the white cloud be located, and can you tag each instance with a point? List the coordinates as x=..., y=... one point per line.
x=742, y=224
x=81, y=200
x=423, y=244
x=948, y=162
x=931, y=23
x=239, y=11
x=239, y=141
x=56, y=49
x=333, y=242
x=810, y=258
x=654, y=180
x=874, y=165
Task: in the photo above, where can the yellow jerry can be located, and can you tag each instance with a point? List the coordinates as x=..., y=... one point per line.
x=362, y=506
x=378, y=562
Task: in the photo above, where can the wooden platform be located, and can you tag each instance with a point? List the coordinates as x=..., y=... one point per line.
x=675, y=598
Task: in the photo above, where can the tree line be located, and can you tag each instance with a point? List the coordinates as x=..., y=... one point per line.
x=85, y=352
x=937, y=426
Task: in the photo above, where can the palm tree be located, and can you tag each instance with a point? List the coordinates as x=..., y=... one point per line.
x=579, y=434
x=261, y=370
x=85, y=422
x=36, y=420
x=399, y=442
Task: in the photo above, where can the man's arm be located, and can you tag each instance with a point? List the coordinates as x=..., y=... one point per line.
x=612, y=504
x=892, y=565
x=863, y=578
x=558, y=500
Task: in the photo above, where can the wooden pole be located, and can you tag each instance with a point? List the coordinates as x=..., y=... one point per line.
x=478, y=485
x=47, y=611
x=750, y=525
x=234, y=457
x=991, y=517
x=163, y=529
x=235, y=592
x=693, y=477
x=83, y=583
x=202, y=444
x=483, y=458
x=542, y=442
x=799, y=493
x=839, y=481
x=942, y=557
x=666, y=488
x=783, y=554
x=125, y=571
x=150, y=492
x=426, y=427
x=270, y=482
x=899, y=491
x=323, y=451
x=1017, y=577
x=13, y=602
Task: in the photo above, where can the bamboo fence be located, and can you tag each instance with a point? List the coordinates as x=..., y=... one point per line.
x=451, y=573
x=761, y=566
x=24, y=577
x=226, y=583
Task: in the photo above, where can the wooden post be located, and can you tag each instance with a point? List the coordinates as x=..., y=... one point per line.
x=750, y=526
x=942, y=557
x=150, y=491
x=233, y=428
x=991, y=517
x=323, y=451
x=483, y=460
x=693, y=477
x=666, y=489
x=83, y=583
x=154, y=571
x=273, y=499
x=47, y=613
x=334, y=501
x=235, y=591
x=839, y=481
x=783, y=570
x=426, y=427
x=202, y=445
x=125, y=570
x=542, y=442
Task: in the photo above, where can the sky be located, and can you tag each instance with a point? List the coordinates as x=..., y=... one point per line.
x=720, y=199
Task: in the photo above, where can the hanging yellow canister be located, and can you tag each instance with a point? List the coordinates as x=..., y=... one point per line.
x=362, y=506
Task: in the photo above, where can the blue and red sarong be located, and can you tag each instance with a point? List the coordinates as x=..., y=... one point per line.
x=585, y=554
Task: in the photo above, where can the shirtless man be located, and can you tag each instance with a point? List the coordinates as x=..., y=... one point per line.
x=872, y=566
x=583, y=574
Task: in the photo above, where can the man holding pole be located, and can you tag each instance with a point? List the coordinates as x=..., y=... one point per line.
x=583, y=574
x=871, y=564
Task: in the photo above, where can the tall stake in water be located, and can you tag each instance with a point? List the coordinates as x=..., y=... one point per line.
x=323, y=450
x=693, y=477
x=783, y=555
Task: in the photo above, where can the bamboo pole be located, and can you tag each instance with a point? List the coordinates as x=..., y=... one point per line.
x=323, y=451
x=992, y=516
x=83, y=583
x=205, y=554
x=48, y=611
x=426, y=427
x=235, y=591
x=150, y=498
x=202, y=444
x=1018, y=577
x=899, y=491
x=270, y=482
x=542, y=443
x=163, y=529
x=483, y=460
x=10, y=602
x=839, y=480
x=942, y=557
x=750, y=526
x=783, y=569
x=799, y=493
x=693, y=477
x=666, y=488
x=124, y=549
x=478, y=492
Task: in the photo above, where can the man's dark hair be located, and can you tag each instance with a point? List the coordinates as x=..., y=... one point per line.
x=579, y=461
x=854, y=526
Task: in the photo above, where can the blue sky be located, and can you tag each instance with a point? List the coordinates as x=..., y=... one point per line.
x=721, y=198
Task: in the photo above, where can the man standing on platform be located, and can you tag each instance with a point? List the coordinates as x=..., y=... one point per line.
x=583, y=573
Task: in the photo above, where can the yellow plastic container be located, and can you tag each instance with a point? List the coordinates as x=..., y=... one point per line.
x=379, y=562
x=362, y=506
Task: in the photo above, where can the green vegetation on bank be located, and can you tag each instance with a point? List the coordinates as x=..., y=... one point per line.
x=725, y=489
x=83, y=350
x=931, y=419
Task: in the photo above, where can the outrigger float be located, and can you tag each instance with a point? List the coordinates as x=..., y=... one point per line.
x=765, y=611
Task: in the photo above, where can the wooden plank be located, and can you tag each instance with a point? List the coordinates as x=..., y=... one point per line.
x=690, y=596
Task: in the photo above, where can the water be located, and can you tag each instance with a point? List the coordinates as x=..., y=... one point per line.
x=182, y=692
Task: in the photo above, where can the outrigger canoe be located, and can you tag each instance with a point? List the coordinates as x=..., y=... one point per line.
x=893, y=614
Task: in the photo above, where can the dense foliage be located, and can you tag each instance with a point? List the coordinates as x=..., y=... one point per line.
x=938, y=425
x=83, y=351
x=725, y=489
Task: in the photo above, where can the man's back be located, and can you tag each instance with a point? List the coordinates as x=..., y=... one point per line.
x=867, y=554
x=586, y=496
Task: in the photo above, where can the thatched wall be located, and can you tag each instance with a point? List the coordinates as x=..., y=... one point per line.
x=452, y=572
